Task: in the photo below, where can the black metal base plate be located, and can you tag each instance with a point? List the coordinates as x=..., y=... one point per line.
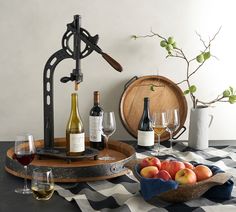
x=61, y=153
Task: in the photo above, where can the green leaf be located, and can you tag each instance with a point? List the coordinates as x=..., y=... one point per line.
x=152, y=88
x=207, y=55
x=192, y=89
x=232, y=99
x=226, y=93
x=200, y=58
x=231, y=89
x=186, y=92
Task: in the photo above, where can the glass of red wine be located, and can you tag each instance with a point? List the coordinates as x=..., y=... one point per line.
x=24, y=154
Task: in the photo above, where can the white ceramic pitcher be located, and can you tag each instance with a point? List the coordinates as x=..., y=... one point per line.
x=200, y=121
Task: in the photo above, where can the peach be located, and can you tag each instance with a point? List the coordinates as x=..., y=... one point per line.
x=163, y=174
x=188, y=165
x=149, y=172
x=186, y=176
x=202, y=172
x=150, y=161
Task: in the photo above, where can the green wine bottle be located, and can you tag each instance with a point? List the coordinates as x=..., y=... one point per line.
x=75, y=138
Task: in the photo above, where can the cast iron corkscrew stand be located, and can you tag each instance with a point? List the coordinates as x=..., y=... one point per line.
x=79, y=34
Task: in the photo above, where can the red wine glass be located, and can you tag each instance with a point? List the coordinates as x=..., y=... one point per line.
x=24, y=154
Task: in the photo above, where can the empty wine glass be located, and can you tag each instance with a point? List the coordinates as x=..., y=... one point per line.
x=173, y=124
x=159, y=123
x=24, y=153
x=108, y=128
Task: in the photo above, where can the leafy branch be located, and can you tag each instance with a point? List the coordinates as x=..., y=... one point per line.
x=173, y=51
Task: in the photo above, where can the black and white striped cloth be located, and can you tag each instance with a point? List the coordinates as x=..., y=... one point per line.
x=122, y=193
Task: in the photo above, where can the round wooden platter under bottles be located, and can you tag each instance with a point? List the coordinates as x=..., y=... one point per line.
x=79, y=170
x=166, y=95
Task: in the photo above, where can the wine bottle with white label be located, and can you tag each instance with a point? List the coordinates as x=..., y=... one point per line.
x=75, y=138
x=95, y=124
x=145, y=129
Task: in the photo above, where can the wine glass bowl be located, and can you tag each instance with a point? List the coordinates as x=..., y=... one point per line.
x=159, y=123
x=42, y=183
x=108, y=128
x=24, y=152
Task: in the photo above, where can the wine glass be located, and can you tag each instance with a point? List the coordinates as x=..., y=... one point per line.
x=108, y=128
x=173, y=124
x=42, y=183
x=159, y=123
x=24, y=153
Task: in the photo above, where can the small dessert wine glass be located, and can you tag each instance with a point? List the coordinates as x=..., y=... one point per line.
x=159, y=124
x=108, y=128
x=42, y=183
x=24, y=153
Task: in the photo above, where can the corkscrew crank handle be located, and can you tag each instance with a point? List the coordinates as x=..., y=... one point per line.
x=108, y=58
x=112, y=62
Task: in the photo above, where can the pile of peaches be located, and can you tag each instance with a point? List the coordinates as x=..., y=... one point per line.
x=181, y=172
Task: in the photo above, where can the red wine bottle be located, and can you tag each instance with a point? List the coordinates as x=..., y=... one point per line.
x=145, y=129
x=95, y=124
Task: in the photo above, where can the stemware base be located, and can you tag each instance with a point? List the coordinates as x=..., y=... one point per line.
x=156, y=153
x=106, y=158
x=23, y=191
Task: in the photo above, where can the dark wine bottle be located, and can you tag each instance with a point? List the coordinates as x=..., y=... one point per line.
x=95, y=124
x=75, y=139
x=145, y=129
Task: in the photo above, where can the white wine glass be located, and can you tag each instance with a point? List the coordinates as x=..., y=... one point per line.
x=159, y=124
x=173, y=120
x=108, y=128
x=42, y=183
x=24, y=153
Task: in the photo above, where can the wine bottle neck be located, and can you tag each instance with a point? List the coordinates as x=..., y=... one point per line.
x=74, y=101
x=96, y=98
x=146, y=108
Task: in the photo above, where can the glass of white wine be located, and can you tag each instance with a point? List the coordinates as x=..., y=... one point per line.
x=42, y=183
x=159, y=124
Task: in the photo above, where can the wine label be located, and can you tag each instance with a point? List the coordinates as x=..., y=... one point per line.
x=95, y=128
x=145, y=138
x=77, y=142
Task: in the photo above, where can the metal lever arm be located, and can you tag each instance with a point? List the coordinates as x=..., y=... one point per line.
x=96, y=48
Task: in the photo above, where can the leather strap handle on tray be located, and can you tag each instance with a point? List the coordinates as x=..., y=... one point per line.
x=112, y=62
x=183, y=128
x=130, y=81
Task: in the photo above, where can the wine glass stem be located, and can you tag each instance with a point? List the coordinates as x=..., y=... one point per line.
x=171, y=139
x=106, y=142
x=159, y=144
x=25, y=179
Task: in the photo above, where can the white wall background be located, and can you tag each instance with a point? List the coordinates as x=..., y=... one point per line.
x=31, y=31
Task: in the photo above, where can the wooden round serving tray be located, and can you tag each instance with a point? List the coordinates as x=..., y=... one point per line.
x=79, y=170
x=166, y=95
